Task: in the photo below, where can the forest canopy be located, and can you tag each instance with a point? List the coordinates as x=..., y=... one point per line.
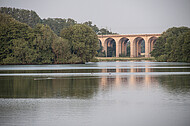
x=21, y=44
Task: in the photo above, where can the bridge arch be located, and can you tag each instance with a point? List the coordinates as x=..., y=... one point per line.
x=100, y=50
x=110, y=47
x=137, y=46
x=100, y=43
x=124, y=47
x=151, y=43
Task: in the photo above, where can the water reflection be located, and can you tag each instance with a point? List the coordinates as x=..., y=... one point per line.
x=55, y=83
x=175, y=84
x=106, y=93
x=30, y=87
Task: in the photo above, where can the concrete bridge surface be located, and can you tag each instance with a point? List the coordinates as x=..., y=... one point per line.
x=135, y=40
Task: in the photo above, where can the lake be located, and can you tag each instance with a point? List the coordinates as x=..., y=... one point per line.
x=142, y=93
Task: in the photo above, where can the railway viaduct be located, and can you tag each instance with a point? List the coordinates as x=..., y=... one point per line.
x=135, y=40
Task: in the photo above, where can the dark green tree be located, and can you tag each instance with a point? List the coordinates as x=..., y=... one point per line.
x=104, y=31
x=83, y=41
x=21, y=53
x=61, y=49
x=22, y=15
x=94, y=27
x=12, y=34
x=21, y=44
x=57, y=24
x=43, y=43
x=173, y=45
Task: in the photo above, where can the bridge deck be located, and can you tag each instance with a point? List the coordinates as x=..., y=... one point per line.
x=129, y=35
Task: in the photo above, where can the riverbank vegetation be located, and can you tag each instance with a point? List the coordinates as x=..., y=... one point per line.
x=25, y=38
x=173, y=45
x=21, y=44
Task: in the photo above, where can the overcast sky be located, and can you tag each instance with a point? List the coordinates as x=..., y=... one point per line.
x=121, y=16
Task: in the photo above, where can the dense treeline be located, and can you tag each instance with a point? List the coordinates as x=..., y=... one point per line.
x=21, y=44
x=56, y=24
x=28, y=39
x=25, y=16
x=173, y=45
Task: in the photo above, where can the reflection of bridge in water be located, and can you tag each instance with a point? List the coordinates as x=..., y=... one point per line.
x=131, y=79
x=121, y=42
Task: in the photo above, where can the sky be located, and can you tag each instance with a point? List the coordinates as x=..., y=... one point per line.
x=121, y=16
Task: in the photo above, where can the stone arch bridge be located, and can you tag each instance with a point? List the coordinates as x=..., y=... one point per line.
x=121, y=42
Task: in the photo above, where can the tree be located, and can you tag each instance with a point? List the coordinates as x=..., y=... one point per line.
x=14, y=36
x=94, y=27
x=173, y=45
x=21, y=53
x=83, y=41
x=43, y=43
x=104, y=31
x=21, y=44
x=61, y=49
x=56, y=24
x=25, y=16
x=186, y=47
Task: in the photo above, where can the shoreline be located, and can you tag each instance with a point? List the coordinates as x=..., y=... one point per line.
x=97, y=59
x=123, y=58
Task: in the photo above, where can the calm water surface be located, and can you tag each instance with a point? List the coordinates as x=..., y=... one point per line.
x=96, y=94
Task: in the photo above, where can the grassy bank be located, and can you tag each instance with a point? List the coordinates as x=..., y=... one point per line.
x=123, y=58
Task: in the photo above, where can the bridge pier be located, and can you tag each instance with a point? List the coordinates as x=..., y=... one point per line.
x=132, y=47
x=118, y=47
x=146, y=47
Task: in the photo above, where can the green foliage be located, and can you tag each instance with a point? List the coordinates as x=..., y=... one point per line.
x=61, y=49
x=21, y=44
x=94, y=27
x=101, y=54
x=24, y=16
x=83, y=41
x=14, y=36
x=43, y=43
x=173, y=45
x=57, y=24
x=27, y=39
x=100, y=51
x=104, y=31
x=21, y=53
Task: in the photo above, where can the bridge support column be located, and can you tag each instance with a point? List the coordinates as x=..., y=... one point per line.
x=147, y=47
x=132, y=47
x=103, y=44
x=118, y=47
